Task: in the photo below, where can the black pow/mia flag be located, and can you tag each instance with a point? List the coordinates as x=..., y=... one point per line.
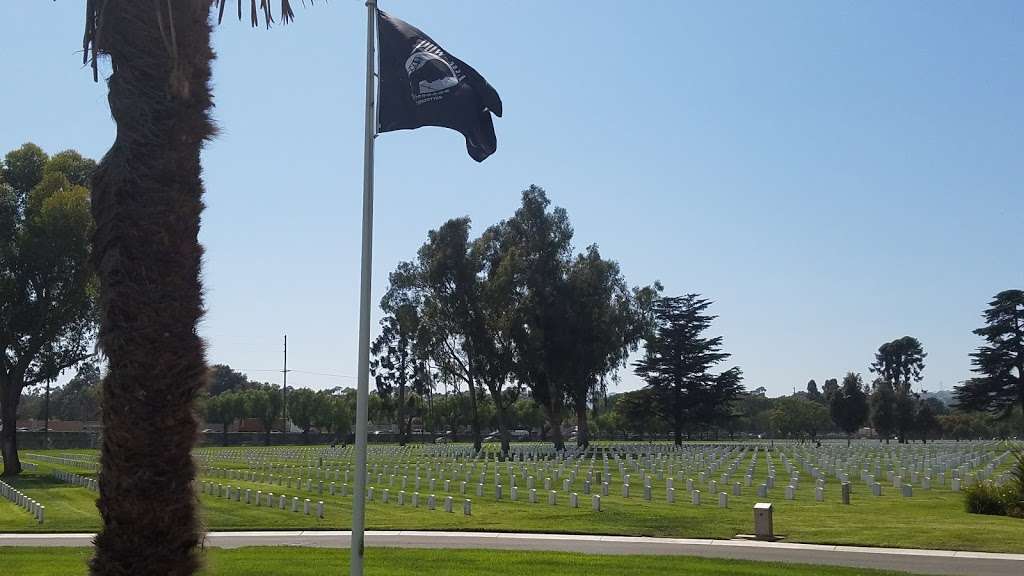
x=422, y=85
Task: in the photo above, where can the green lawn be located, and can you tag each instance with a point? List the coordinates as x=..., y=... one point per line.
x=289, y=561
x=930, y=519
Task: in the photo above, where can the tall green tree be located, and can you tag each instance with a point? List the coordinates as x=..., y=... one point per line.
x=599, y=330
x=79, y=399
x=798, y=417
x=830, y=387
x=883, y=409
x=47, y=288
x=849, y=405
x=901, y=363
x=397, y=366
x=224, y=409
x=753, y=411
x=926, y=419
x=999, y=363
x=264, y=404
x=333, y=413
x=813, y=393
x=222, y=378
x=678, y=360
x=493, y=315
x=538, y=251
x=301, y=410
x=444, y=285
x=639, y=412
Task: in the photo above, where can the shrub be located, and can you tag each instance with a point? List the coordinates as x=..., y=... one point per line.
x=1015, y=504
x=987, y=498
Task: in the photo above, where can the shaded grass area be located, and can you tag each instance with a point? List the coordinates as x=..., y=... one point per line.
x=930, y=519
x=292, y=561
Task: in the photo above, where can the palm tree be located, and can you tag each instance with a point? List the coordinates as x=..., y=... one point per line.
x=146, y=201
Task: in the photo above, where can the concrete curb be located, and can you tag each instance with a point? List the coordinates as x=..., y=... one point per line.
x=945, y=562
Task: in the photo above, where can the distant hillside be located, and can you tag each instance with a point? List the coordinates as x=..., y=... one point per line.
x=944, y=396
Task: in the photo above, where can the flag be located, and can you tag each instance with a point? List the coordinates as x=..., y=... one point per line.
x=423, y=85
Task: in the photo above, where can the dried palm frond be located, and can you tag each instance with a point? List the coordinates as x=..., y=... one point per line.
x=287, y=14
x=92, y=42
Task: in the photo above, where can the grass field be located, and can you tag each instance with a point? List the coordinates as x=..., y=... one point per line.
x=287, y=561
x=930, y=519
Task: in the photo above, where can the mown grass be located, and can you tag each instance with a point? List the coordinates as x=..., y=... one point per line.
x=292, y=561
x=930, y=519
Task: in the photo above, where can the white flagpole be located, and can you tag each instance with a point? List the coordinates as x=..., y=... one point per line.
x=363, y=385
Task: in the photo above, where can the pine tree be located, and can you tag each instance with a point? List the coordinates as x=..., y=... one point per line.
x=678, y=361
x=398, y=367
x=999, y=363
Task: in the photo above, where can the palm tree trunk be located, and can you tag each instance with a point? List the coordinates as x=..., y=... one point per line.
x=146, y=200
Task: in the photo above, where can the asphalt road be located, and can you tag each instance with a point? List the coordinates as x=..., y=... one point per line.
x=907, y=560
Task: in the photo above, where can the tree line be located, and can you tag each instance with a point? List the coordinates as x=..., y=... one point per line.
x=521, y=329
x=231, y=396
x=517, y=311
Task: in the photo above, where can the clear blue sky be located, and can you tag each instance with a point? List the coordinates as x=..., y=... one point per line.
x=832, y=174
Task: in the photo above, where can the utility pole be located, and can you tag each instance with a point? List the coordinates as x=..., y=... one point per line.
x=284, y=389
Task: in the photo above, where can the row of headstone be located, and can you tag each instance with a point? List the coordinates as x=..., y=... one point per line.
x=69, y=461
x=416, y=501
x=76, y=479
x=524, y=453
x=262, y=499
x=712, y=465
x=31, y=506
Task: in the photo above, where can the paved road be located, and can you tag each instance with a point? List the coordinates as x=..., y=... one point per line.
x=907, y=560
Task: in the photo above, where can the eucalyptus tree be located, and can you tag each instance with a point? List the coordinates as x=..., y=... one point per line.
x=490, y=328
x=599, y=330
x=264, y=404
x=47, y=288
x=224, y=409
x=398, y=366
x=333, y=413
x=443, y=284
x=301, y=409
x=537, y=251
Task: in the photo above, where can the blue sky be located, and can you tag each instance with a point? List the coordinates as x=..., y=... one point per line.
x=833, y=174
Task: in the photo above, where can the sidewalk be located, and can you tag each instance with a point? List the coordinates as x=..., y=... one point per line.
x=906, y=560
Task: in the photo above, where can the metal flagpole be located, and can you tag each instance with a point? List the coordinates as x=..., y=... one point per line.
x=363, y=386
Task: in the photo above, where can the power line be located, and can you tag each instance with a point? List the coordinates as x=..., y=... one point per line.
x=307, y=372
x=323, y=374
